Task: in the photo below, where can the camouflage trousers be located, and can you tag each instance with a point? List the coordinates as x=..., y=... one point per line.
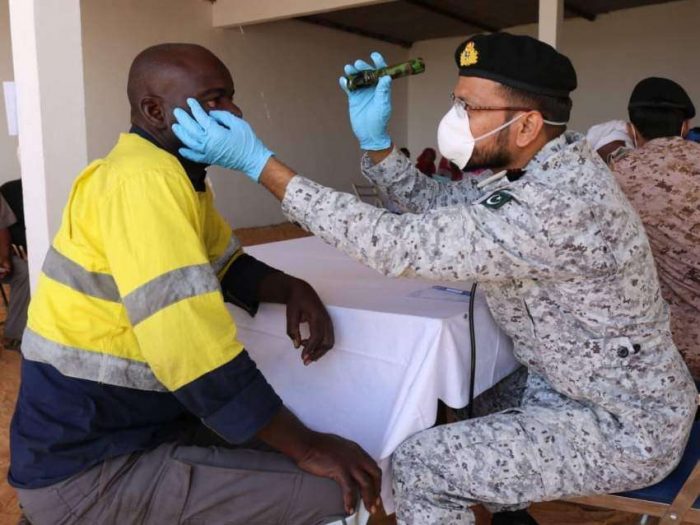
x=549, y=447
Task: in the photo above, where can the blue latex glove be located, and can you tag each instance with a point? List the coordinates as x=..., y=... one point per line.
x=370, y=107
x=220, y=138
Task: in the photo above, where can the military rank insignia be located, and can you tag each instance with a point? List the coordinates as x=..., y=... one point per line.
x=496, y=200
x=469, y=56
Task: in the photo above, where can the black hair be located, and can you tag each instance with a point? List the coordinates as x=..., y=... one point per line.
x=555, y=109
x=655, y=122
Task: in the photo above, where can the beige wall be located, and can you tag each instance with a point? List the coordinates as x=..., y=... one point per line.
x=610, y=56
x=9, y=166
x=286, y=83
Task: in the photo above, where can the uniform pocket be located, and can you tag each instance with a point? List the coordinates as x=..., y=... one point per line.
x=619, y=351
x=609, y=352
x=170, y=496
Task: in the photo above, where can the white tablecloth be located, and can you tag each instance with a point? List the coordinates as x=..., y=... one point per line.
x=400, y=346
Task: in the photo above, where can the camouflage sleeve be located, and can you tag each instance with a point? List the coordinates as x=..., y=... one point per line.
x=409, y=190
x=487, y=240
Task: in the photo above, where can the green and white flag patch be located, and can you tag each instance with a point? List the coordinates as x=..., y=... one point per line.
x=497, y=199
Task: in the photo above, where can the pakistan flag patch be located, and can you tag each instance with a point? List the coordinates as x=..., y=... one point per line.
x=497, y=199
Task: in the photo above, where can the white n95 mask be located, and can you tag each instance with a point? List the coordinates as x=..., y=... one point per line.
x=455, y=139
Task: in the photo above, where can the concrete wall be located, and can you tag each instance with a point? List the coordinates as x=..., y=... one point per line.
x=286, y=83
x=610, y=56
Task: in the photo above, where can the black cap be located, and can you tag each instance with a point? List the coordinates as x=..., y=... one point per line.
x=657, y=92
x=521, y=62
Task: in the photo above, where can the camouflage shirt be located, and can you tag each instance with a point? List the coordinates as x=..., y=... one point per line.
x=402, y=190
x=567, y=271
x=662, y=181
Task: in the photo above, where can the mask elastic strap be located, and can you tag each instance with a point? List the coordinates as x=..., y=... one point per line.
x=499, y=128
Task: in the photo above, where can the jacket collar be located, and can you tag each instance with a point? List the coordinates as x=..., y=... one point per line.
x=195, y=172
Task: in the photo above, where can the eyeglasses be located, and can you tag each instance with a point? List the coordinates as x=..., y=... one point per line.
x=462, y=106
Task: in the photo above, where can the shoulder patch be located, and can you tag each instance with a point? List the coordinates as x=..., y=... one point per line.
x=497, y=199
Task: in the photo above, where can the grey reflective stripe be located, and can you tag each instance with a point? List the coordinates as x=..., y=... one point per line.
x=168, y=289
x=86, y=364
x=60, y=268
x=233, y=246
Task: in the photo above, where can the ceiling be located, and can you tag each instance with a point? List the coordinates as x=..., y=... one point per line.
x=404, y=22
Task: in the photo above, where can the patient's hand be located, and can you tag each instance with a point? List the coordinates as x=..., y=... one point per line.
x=304, y=305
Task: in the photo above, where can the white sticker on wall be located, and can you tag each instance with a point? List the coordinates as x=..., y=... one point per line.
x=10, y=107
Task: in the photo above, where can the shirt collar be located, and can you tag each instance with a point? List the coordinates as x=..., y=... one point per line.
x=664, y=141
x=552, y=147
x=195, y=172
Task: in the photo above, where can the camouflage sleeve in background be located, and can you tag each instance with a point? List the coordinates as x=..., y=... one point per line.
x=662, y=181
x=409, y=190
x=479, y=241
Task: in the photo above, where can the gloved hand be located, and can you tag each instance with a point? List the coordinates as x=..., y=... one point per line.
x=220, y=138
x=370, y=107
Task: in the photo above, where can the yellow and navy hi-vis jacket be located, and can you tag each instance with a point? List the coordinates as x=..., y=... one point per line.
x=128, y=335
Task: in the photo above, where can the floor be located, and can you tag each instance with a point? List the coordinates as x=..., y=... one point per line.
x=9, y=384
x=554, y=513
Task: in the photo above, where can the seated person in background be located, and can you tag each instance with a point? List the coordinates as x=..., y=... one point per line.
x=426, y=162
x=18, y=278
x=137, y=397
x=607, y=138
x=7, y=219
x=661, y=178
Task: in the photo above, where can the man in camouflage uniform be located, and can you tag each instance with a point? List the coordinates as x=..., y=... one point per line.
x=661, y=178
x=563, y=259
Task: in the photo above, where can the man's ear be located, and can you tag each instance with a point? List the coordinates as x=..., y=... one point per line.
x=153, y=112
x=633, y=134
x=685, y=128
x=529, y=128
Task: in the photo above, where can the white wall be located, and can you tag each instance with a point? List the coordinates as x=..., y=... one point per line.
x=286, y=76
x=9, y=166
x=610, y=55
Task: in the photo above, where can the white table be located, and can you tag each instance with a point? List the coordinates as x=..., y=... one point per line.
x=400, y=346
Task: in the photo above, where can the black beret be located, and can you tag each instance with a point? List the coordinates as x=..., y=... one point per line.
x=656, y=92
x=521, y=62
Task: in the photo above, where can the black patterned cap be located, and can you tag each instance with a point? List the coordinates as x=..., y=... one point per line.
x=521, y=62
x=657, y=92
